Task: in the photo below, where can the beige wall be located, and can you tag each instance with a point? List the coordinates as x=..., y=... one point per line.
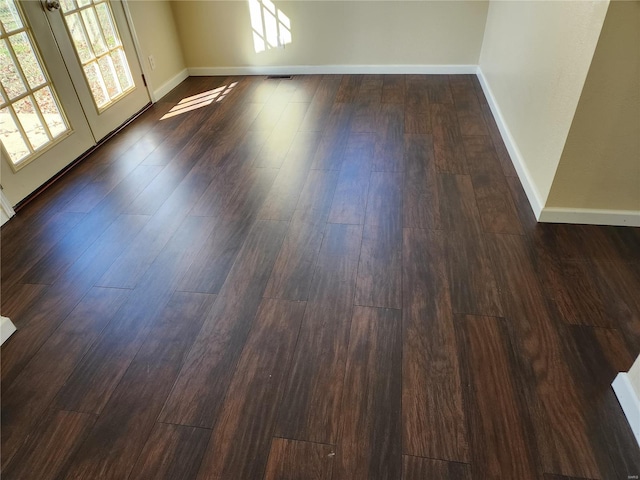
x=600, y=164
x=535, y=58
x=219, y=33
x=157, y=35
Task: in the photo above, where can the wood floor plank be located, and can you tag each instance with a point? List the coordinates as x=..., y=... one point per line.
x=498, y=424
x=112, y=447
x=434, y=423
x=334, y=138
x=496, y=137
x=556, y=406
x=472, y=283
x=319, y=111
x=44, y=454
x=233, y=200
x=285, y=191
x=216, y=257
x=467, y=106
x=172, y=452
x=293, y=271
x=393, y=87
x=416, y=468
x=367, y=105
x=92, y=383
x=311, y=405
x=420, y=202
x=370, y=440
x=349, y=88
x=416, y=91
x=42, y=318
x=18, y=298
x=493, y=195
x=88, y=230
x=24, y=250
x=240, y=442
x=198, y=394
x=135, y=260
x=379, y=282
x=598, y=355
x=447, y=140
x=22, y=407
x=389, y=152
x=295, y=460
x=481, y=156
x=350, y=199
x=279, y=142
x=439, y=89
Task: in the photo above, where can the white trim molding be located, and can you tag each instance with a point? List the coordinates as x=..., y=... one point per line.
x=333, y=70
x=535, y=199
x=169, y=85
x=6, y=329
x=621, y=218
x=628, y=401
x=7, y=210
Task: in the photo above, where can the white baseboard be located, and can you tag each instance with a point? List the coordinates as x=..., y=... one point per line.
x=628, y=401
x=169, y=85
x=622, y=218
x=514, y=152
x=334, y=70
x=6, y=329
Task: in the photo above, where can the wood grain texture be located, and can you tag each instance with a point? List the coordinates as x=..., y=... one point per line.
x=472, y=283
x=44, y=454
x=498, y=424
x=199, y=391
x=311, y=405
x=115, y=442
x=434, y=423
x=284, y=193
x=293, y=271
x=496, y=137
x=597, y=355
x=234, y=199
x=370, y=440
x=133, y=262
x=21, y=408
x=239, y=445
x=350, y=199
x=393, y=87
x=555, y=405
x=467, y=106
x=172, y=452
x=294, y=460
x=447, y=140
x=334, y=139
x=42, y=318
x=420, y=199
x=88, y=389
x=389, y=151
x=417, y=468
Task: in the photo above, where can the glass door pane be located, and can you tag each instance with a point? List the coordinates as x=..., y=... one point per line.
x=31, y=116
x=97, y=44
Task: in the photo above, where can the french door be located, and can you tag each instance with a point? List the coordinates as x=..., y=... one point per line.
x=69, y=75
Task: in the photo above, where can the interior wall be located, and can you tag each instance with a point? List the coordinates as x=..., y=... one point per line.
x=220, y=34
x=535, y=58
x=157, y=35
x=600, y=164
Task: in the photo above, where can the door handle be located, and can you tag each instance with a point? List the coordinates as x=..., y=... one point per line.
x=52, y=5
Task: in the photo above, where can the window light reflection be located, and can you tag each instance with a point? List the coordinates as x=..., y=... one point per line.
x=199, y=100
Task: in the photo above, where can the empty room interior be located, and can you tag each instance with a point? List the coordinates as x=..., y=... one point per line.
x=320, y=239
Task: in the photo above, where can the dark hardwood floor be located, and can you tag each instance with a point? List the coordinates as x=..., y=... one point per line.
x=322, y=278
